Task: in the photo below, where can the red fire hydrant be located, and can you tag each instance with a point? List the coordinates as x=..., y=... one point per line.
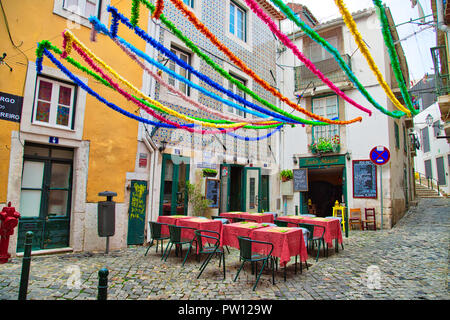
x=9, y=219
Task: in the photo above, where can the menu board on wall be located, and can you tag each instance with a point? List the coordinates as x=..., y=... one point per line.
x=212, y=192
x=300, y=179
x=364, y=179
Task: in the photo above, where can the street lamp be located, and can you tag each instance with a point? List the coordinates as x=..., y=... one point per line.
x=429, y=120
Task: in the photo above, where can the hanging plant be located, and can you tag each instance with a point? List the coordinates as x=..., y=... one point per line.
x=209, y=172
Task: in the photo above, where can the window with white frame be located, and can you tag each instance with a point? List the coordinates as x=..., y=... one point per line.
x=84, y=8
x=54, y=103
x=326, y=107
x=186, y=57
x=232, y=87
x=319, y=53
x=238, y=21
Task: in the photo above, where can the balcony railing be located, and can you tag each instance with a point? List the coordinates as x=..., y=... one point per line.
x=441, y=72
x=304, y=78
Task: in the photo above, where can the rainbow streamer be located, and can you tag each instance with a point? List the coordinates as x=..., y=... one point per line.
x=393, y=55
x=288, y=43
x=337, y=56
x=351, y=25
x=205, y=31
x=142, y=34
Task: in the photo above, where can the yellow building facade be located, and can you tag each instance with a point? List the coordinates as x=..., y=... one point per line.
x=59, y=146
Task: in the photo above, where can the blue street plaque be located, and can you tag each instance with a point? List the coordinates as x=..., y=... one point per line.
x=54, y=140
x=380, y=155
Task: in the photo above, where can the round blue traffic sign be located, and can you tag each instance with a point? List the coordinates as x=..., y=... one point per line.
x=380, y=155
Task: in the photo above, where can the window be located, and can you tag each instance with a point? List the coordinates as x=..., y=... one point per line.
x=326, y=107
x=84, y=8
x=425, y=139
x=319, y=53
x=54, y=103
x=189, y=3
x=397, y=137
x=232, y=87
x=186, y=57
x=238, y=23
x=440, y=170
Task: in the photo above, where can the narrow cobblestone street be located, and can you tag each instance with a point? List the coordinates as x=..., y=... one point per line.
x=409, y=261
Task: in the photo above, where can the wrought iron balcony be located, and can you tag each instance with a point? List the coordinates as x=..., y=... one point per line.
x=441, y=71
x=304, y=78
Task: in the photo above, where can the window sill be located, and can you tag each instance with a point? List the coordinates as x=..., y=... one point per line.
x=52, y=127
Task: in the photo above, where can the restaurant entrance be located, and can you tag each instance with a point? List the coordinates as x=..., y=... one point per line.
x=326, y=184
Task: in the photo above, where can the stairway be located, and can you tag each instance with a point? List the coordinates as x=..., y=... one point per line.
x=425, y=192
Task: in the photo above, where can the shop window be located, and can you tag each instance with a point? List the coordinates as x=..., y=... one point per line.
x=54, y=103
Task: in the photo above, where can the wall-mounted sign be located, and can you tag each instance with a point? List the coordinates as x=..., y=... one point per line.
x=10, y=107
x=364, y=179
x=54, y=140
x=142, y=160
x=212, y=192
x=300, y=179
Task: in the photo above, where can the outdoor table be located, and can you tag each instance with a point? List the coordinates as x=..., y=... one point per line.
x=258, y=217
x=239, y=229
x=332, y=226
x=173, y=220
x=200, y=224
x=232, y=214
x=287, y=242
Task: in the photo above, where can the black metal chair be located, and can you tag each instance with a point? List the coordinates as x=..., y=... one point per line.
x=176, y=239
x=245, y=248
x=281, y=223
x=210, y=251
x=238, y=220
x=312, y=239
x=155, y=234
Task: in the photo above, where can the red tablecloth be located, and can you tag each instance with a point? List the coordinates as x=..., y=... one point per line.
x=201, y=224
x=232, y=214
x=332, y=226
x=287, y=242
x=233, y=230
x=258, y=217
x=170, y=220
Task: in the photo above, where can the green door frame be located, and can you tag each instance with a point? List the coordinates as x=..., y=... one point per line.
x=175, y=175
x=43, y=220
x=342, y=163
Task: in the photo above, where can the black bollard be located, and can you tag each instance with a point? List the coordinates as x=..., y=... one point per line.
x=102, y=284
x=26, y=266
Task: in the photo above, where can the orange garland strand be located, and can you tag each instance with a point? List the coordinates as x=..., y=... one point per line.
x=203, y=29
x=159, y=7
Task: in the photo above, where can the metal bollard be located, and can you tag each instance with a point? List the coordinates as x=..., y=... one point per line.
x=102, y=284
x=26, y=266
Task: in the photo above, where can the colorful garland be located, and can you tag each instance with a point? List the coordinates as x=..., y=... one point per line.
x=351, y=25
x=393, y=55
x=205, y=31
x=159, y=7
x=337, y=56
x=288, y=43
x=134, y=21
x=143, y=35
x=102, y=28
x=89, y=57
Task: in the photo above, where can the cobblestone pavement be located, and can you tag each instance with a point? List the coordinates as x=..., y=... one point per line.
x=409, y=261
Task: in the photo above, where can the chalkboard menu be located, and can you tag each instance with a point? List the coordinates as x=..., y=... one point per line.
x=212, y=192
x=300, y=179
x=364, y=179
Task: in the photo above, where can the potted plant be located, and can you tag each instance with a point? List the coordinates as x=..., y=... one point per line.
x=196, y=198
x=209, y=172
x=286, y=175
x=324, y=145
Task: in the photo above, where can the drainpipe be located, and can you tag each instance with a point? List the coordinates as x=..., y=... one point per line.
x=440, y=16
x=151, y=146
